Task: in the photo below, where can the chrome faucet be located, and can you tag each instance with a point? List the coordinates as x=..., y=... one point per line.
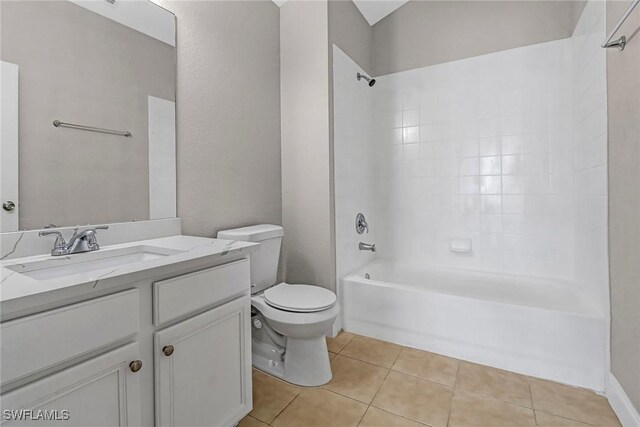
x=367, y=247
x=83, y=241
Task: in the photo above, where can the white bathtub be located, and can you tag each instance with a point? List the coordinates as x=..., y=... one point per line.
x=532, y=326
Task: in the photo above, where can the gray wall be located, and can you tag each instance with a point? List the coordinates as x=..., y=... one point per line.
x=350, y=32
x=307, y=208
x=228, y=114
x=79, y=67
x=423, y=33
x=623, y=79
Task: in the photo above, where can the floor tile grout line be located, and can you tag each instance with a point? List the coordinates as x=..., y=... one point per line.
x=531, y=399
x=348, y=397
x=455, y=383
x=407, y=373
x=564, y=418
x=345, y=344
x=494, y=397
x=399, y=415
x=451, y=386
x=453, y=392
x=336, y=393
x=488, y=396
x=363, y=361
x=283, y=409
x=403, y=416
x=426, y=379
x=280, y=380
x=363, y=414
x=381, y=385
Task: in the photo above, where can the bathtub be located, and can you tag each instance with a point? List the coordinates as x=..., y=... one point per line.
x=536, y=327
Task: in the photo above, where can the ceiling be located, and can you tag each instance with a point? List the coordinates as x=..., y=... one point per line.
x=372, y=10
x=375, y=10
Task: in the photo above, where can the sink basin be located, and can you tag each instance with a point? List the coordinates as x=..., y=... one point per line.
x=55, y=267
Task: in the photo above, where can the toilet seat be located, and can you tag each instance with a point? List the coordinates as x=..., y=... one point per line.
x=299, y=298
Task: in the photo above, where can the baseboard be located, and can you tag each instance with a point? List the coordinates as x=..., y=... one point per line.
x=335, y=328
x=622, y=406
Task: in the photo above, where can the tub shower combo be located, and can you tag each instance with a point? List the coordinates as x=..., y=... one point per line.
x=485, y=229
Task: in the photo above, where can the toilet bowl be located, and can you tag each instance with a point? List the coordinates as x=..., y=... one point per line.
x=288, y=321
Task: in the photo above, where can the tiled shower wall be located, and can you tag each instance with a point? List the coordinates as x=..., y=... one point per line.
x=590, y=152
x=506, y=151
x=354, y=171
x=479, y=150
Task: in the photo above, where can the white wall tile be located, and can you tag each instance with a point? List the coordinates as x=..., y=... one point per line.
x=485, y=163
x=354, y=156
x=507, y=149
x=490, y=146
x=590, y=154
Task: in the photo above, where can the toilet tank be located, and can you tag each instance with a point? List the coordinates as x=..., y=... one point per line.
x=264, y=262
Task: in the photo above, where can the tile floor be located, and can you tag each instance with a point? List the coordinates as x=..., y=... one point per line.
x=379, y=384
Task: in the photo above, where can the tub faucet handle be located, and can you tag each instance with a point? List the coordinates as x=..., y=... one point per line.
x=361, y=224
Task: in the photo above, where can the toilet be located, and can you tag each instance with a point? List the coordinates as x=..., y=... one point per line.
x=288, y=321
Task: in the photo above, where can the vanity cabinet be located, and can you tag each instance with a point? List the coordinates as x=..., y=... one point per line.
x=203, y=368
x=171, y=347
x=103, y=391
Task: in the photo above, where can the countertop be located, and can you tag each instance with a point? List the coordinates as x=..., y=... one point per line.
x=15, y=286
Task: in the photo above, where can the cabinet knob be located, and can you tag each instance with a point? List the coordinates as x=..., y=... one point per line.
x=135, y=366
x=167, y=350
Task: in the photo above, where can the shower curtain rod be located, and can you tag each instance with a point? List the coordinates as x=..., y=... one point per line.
x=621, y=42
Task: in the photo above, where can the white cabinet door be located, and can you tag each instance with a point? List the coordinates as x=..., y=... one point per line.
x=102, y=391
x=203, y=368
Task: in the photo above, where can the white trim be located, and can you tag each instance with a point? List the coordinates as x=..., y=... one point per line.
x=9, y=125
x=162, y=158
x=144, y=16
x=336, y=327
x=621, y=404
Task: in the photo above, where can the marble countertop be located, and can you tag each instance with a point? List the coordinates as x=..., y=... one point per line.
x=15, y=286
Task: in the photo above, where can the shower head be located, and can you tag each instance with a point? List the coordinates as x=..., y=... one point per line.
x=368, y=79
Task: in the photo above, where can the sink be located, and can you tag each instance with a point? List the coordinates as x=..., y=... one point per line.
x=55, y=267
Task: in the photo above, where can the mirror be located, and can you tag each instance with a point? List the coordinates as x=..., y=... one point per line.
x=88, y=113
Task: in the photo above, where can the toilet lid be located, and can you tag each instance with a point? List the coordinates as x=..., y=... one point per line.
x=299, y=298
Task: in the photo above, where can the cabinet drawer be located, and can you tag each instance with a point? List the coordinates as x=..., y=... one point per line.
x=182, y=295
x=37, y=342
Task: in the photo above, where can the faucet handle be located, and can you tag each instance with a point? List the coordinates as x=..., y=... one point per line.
x=92, y=241
x=59, y=246
x=361, y=224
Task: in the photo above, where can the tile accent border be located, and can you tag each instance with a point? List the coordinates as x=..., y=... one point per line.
x=621, y=404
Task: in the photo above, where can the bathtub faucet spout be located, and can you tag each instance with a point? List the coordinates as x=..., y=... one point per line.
x=367, y=247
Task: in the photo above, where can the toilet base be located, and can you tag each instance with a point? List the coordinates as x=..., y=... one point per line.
x=305, y=362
